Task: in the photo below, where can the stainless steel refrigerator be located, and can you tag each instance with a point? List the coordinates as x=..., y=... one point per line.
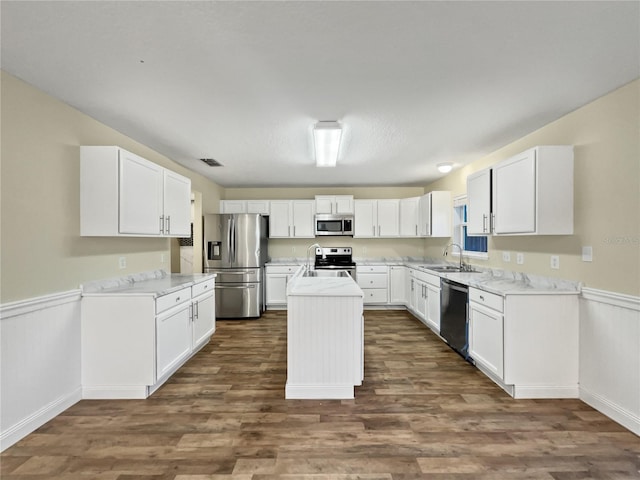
x=235, y=248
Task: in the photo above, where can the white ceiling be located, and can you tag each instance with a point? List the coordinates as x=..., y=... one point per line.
x=413, y=83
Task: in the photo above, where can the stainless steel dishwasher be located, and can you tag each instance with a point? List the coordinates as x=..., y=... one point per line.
x=454, y=307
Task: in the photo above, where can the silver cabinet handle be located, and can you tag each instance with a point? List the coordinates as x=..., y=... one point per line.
x=416, y=230
x=191, y=312
x=378, y=230
x=484, y=222
x=482, y=298
x=161, y=223
x=492, y=226
x=374, y=230
x=294, y=230
x=168, y=224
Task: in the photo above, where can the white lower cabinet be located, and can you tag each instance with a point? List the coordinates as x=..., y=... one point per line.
x=486, y=341
x=526, y=343
x=433, y=305
x=276, y=279
x=131, y=343
x=374, y=281
x=173, y=337
x=203, y=313
x=398, y=281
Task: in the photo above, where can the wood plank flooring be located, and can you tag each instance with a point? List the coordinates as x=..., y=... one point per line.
x=422, y=412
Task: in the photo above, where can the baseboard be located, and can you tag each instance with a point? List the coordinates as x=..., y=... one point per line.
x=319, y=392
x=623, y=417
x=112, y=392
x=20, y=430
x=535, y=391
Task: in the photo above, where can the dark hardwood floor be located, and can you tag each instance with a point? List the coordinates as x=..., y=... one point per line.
x=422, y=412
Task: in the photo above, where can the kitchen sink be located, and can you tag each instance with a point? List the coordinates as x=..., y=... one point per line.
x=448, y=268
x=325, y=273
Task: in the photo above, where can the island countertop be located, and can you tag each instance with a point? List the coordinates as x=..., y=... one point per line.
x=299, y=285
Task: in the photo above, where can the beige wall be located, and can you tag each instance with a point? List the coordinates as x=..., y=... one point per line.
x=362, y=248
x=606, y=137
x=41, y=250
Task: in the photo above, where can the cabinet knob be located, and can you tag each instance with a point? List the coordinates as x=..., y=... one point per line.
x=482, y=298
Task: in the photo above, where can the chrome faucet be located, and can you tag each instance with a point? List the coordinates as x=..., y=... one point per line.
x=444, y=254
x=315, y=245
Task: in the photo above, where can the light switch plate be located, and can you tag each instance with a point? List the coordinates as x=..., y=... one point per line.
x=555, y=262
x=520, y=258
x=587, y=254
x=122, y=262
x=506, y=256
x=162, y=258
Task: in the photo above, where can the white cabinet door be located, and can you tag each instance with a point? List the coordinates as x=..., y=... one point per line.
x=303, y=218
x=398, y=285
x=325, y=204
x=258, y=206
x=388, y=218
x=365, y=218
x=514, y=194
x=233, y=206
x=277, y=288
x=280, y=219
x=177, y=205
x=203, y=317
x=433, y=307
x=173, y=338
x=424, y=216
x=421, y=299
x=486, y=341
x=141, y=185
x=334, y=204
x=479, y=203
x=409, y=217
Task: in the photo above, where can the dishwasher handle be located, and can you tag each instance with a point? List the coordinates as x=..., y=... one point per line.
x=459, y=287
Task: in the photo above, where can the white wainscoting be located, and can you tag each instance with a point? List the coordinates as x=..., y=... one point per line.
x=610, y=355
x=40, y=369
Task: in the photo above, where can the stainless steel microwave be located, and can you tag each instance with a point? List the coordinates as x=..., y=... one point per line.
x=328, y=224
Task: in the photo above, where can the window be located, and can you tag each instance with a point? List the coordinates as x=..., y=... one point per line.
x=473, y=246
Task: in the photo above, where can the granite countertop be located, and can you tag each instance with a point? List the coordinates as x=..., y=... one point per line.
x=323, y=286
x=155, y=283
x=288, y=261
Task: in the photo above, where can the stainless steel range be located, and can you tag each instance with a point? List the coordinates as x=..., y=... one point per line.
x=335, y=258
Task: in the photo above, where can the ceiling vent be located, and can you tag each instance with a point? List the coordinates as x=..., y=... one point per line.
x=211, y=162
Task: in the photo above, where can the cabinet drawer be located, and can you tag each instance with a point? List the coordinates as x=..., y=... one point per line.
x=372, y=280
x=371, y=269
x=282, y=269
x=172, y=299
x=375, y=295
x=202, y=287
x=487, y=299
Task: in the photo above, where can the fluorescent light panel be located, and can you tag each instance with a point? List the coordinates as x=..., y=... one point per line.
x=326, y=141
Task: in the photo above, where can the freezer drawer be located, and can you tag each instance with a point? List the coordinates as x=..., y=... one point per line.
x=238, y=300
x=247, y=275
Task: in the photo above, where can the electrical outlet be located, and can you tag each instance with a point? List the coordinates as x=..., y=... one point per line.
x=122, y=262
x=587, y=254
x=555, y=262
x=520, y=258
x=293, y=250
x=162, y=258
x=506, y=256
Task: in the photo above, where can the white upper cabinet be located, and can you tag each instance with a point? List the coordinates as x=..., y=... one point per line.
x=409, y=216
x=233, y=206
x=292, y=219
x=435, y=210
x=532, y=193
x=336, y=204
x=479, y=203
x=141, y=186
x=245, y=206
x=376, y=218
x=177, y=205
x=124, y=194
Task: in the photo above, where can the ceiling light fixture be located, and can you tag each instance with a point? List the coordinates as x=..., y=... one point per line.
x=326, y=143
x=445, y=167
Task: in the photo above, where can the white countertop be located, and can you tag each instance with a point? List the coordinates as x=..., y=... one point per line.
x=155, y=283
x=500, y=282
x=323, y=286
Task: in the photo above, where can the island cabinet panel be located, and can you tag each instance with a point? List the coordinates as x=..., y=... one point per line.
x=325, y=348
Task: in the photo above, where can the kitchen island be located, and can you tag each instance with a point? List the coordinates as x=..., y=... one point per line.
x=325, y=335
